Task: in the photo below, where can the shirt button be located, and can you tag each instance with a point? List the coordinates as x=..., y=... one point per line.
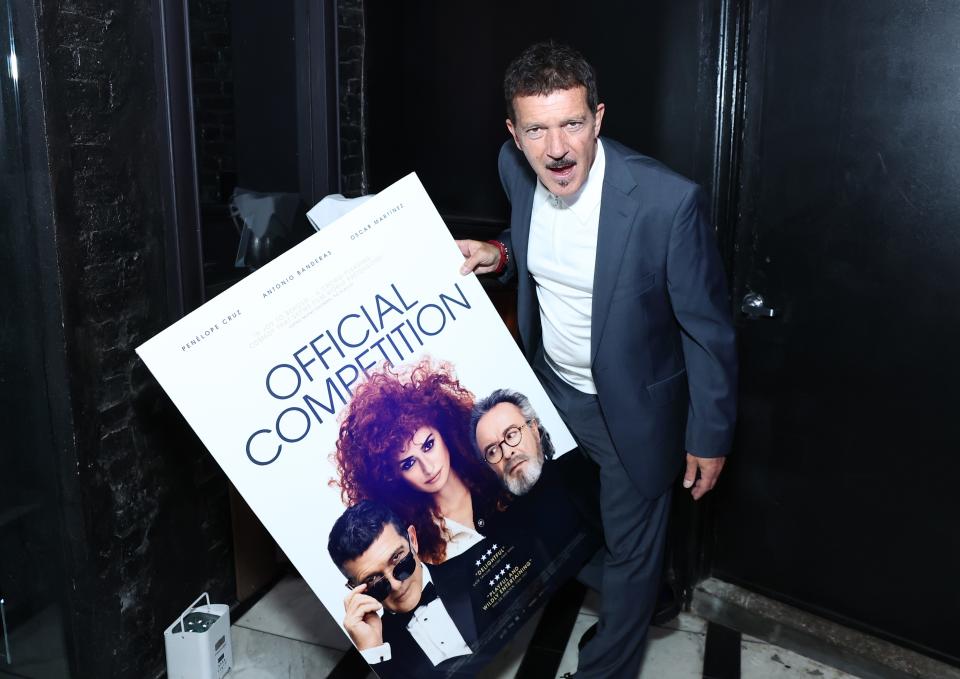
x=480, y=523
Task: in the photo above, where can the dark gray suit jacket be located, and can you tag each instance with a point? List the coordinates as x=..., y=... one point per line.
x=662, y=342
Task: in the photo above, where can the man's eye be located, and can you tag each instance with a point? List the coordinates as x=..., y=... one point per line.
x=406, y=463
x=575, y=125
x=534, y=132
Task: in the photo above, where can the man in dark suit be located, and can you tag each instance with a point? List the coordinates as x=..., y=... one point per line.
x=623, y=312
x=510, y=437
x=406, y=619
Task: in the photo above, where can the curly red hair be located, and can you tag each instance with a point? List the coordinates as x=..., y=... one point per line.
x=379, y=422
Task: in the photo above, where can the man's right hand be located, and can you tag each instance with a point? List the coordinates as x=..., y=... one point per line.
x=479, y=257
x=361, y=620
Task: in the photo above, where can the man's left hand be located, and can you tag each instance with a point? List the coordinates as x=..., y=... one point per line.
x=709, y=473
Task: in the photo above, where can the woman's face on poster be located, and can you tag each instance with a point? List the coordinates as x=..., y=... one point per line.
x=425, y=462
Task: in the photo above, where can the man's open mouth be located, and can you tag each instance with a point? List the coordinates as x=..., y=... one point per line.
x=562, y=169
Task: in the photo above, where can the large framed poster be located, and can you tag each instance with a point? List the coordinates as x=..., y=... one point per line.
x=368, y=403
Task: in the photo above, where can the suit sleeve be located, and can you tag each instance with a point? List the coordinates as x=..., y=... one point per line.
x=698, y=294
x=503, y=164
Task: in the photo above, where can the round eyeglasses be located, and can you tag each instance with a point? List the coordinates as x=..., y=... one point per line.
x=512, y=437
x=378, y=586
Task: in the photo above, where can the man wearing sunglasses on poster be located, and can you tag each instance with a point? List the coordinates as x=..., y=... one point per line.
x=407, y=619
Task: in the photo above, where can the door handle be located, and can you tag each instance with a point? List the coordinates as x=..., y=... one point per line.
x=754, y=306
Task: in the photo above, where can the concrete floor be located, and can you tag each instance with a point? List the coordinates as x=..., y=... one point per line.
x=289, y=635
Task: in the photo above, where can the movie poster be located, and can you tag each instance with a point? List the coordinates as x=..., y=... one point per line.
x=370, y=406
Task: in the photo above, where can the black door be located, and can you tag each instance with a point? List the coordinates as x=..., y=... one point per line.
x=842, y=496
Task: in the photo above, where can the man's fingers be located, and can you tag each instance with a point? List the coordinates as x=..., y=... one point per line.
x=479, y=257
x=472, y=262
x=370, y=605
x=701, y=488
x=710, y=468
x=356, y=599
x=357, y=606
x=690, y=475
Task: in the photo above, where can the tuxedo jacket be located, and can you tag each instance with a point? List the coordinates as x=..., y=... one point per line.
x=662, y=349
x=407, y=659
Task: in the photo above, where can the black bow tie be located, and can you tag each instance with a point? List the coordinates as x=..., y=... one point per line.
x=428, y=596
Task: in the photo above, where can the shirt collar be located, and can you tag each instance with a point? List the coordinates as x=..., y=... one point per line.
x=426, y=576
x=584, y=201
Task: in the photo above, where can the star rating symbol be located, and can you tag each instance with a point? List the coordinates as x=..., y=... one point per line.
x=483, y=557
x=502, y=571
x=507, y=566
x=496, y=577
x=491, y=583
x=494, y=547
x=478, y=562
x=490, y=551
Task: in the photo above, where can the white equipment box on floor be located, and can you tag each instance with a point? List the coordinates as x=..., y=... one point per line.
x=198, y=642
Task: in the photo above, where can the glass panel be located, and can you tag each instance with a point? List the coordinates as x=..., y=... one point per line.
x=32, y=642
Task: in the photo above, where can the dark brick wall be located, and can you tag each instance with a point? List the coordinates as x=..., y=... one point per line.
x=212, y=62
x=145, y=507
x=351, y=36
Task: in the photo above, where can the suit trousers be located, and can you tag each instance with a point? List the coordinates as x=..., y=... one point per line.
x=635, y=529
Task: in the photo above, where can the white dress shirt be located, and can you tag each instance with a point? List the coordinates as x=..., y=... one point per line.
x=461, y=539
x=562, y=253
x=432, y=628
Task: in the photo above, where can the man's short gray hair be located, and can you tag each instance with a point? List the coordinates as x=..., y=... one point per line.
x=485, y=405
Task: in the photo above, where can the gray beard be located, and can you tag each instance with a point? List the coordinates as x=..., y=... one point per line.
x=521, y=483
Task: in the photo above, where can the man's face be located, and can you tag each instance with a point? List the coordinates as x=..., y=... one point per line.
x=387, y=551
x=558, y=135
x=520, y=467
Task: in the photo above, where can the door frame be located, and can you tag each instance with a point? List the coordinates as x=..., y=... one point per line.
x=318, y=131
x=724, y=34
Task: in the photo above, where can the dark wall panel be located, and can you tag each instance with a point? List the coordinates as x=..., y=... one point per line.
x=436, y=98
x=840, y=494
x=144, y=507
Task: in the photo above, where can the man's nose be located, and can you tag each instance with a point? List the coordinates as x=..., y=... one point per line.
x=556, y=145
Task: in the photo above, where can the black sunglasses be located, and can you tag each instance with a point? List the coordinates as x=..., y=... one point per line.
x=378, y=586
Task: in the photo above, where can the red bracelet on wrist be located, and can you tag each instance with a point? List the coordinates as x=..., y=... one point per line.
x=504, y=257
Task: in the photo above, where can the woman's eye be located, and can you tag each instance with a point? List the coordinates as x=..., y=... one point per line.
x=427, y=445
x=406, y=464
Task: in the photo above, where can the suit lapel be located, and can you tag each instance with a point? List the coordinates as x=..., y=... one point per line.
x=520, y=230
x=453, y=587
x=617, y=212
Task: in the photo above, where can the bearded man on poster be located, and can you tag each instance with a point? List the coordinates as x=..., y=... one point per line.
x=623, y=313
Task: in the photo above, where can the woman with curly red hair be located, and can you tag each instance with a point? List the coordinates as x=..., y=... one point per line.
x=405, y=441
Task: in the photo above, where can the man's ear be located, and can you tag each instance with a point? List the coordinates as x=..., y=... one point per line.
x=598, y=119
x=412, y=532
x=513, y=133
x=535, y=429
